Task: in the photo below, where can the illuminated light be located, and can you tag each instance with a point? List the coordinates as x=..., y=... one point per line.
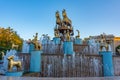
x=117, y=38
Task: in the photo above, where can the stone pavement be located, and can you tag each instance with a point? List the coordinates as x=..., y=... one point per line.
x=50, y=78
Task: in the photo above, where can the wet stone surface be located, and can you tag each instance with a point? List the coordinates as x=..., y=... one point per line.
x=49, y=78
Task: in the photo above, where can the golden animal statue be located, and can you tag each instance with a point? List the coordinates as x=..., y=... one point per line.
x=78, y=36
x=14, y=46
x=35, y=37
x=2, y=54
x=56, y=33
x=58, y=19
x=66, y=20
x=103, y=43
x=68, y=36
x=38, y=45
x=12, y=63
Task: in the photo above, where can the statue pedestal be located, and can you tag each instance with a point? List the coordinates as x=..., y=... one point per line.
x=78, y=41
x=17, y=73
x=31, y=47
x=107, y=63
x=68, y=47
x=35, y=61
x=56, y=40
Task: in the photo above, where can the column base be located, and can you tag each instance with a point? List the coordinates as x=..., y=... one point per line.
x=17, y=73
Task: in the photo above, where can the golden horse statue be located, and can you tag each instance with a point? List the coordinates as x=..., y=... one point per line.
x=103, y=43
x=78, y=36
x=38, y=45
x=56, y=33
x=12, y=63
x=66, y=20
x=58, y=19
x=68, y=36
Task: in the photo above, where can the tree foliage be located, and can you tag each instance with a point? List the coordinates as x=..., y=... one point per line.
x=7, y=37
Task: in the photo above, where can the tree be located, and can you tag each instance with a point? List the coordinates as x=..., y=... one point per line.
x=9, y=36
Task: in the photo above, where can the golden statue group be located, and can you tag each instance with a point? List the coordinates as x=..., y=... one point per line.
x=63, y=27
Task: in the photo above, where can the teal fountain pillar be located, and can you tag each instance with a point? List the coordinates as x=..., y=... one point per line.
x=68, y=47
x=107, y=63
x=35, y=61
x=78, y=41
x=31, y=47
x=56, y=40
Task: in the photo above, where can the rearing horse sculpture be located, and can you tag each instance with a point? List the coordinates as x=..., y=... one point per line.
x=66, y=20
x=58, y=19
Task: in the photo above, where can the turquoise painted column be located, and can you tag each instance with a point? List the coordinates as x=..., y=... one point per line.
x=107, y=63
x=78, y=41
x=35, y=61
x=56, y=40
x=68, y=47
x=31, y=47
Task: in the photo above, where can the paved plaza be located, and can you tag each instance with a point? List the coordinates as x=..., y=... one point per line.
x=49, y=78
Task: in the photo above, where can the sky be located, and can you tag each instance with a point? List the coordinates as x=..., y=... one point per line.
x=91, y=17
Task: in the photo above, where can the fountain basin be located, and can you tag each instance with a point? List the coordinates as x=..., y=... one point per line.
x=16, y=73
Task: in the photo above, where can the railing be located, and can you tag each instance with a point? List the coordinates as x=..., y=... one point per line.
x=58, y=65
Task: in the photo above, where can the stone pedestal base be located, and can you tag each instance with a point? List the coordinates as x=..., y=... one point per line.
x=17, y=73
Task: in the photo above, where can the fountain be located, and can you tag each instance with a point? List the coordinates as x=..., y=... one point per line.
x=25, y=47
x=58, y=58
